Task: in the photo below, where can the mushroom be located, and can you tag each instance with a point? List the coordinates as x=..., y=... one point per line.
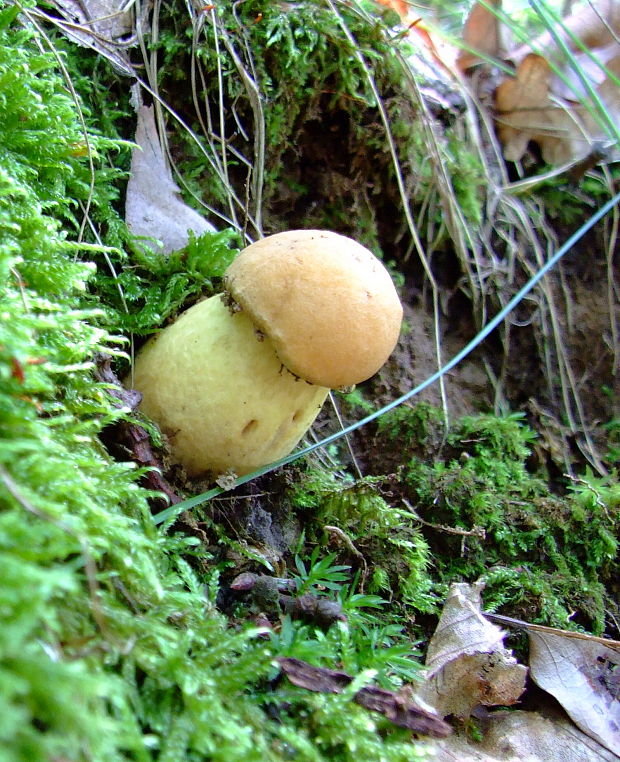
x=239, y=378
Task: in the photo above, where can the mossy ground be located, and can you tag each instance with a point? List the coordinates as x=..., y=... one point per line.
x=114, y=643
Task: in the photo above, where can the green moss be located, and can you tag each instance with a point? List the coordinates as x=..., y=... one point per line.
x=464, y=505
x=398, y=556
x=549, y=556
x=111, y=647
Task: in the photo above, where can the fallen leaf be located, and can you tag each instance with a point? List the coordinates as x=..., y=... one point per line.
x=467, y=664
x=520, y=736
x=595, y=25
x=583, y=674
x=153, y=207
x=549, y=100
x=525, y=112
x=484, y=35
x=100, y=25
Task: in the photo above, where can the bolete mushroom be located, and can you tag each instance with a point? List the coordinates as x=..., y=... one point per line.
x=239, y=378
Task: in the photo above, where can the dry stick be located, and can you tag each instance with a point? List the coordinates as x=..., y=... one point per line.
x=211, y=135
x=332, y=399
x=597, y=496
x=152, y=89
x=220, y=106
x=604, y=21
x=611, y=285
x=509, y=621
x=89, y=564
x=208, y=129
x=108, y=262
x=105, y=44
x=397, y=707
x=566, y=372
x=495, y=200
x=456, y=223
x=20, y=285
x=475, y=532
x=402, y=191
x=547, y=335
x=253, y=93
x=344, y=537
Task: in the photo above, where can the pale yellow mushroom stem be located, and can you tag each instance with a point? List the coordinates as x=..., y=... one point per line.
x=220, y=394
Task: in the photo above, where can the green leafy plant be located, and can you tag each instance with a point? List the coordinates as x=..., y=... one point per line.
x=319, y=575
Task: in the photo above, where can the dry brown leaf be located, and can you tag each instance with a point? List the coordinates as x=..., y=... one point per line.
x=467, y=664
x=153, y=207
x=547, y=101
x=595, y=25
x=98, y=24
x=519, y=736
x=584, y=676
x=526, y=109
x=484, y=33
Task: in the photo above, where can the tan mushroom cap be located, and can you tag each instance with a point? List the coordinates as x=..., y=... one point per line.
x=327, y=303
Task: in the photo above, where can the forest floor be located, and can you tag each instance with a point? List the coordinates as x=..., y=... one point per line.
x=289, y=614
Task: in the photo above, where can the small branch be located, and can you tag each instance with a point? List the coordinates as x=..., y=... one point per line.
x=597, y=496
x=346, y=540
x=475, y=532
x=519, y=624
x=397, y=707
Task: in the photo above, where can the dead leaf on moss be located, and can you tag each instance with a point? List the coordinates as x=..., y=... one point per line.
x=584, y=676
x=102, y=25
x=153, y=207
x=520, y=736
x=467, y=664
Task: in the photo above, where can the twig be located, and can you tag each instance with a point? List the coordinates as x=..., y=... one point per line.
x=475, y=532
x=397, y=707
x=334, y=405
x=518, y=623
x=597, y=497
x=344, y=537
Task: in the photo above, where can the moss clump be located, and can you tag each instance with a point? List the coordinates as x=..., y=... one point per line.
x=398, y=557
x=548, y=556
x=464, y=505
